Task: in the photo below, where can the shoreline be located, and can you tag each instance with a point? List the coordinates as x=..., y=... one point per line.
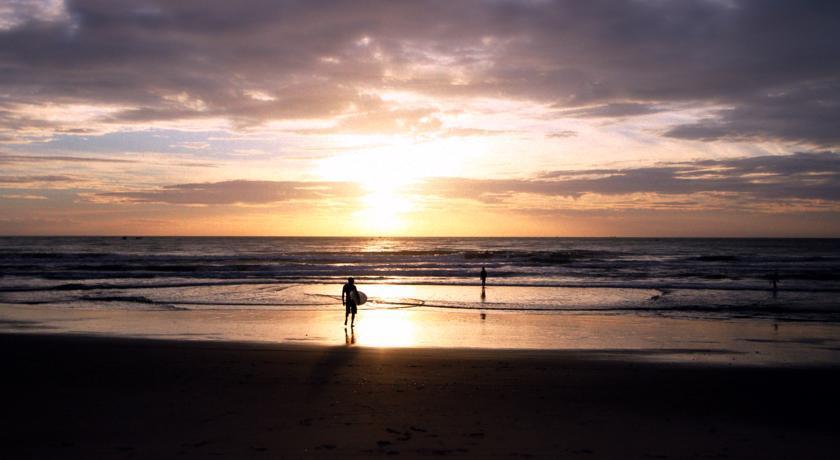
x=81, y=396
x=755, y=342
x=293, y=281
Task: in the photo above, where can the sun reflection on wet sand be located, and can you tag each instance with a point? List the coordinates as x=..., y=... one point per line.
x=393, y=295
x=682, y=340
x=383, y=328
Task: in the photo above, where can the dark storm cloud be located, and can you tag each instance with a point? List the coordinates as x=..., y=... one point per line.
x=236, y=192
x=775, y=63
x=810, y=176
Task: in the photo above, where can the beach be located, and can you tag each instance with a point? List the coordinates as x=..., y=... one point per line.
x=490, y=229
x=81, y=396
x=577, y=348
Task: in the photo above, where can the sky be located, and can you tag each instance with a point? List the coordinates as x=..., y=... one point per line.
x=434, y=118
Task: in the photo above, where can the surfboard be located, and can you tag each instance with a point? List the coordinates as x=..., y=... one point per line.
x=361, y=298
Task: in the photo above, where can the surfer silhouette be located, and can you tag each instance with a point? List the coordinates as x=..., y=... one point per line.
x=483, y=276
x=349, y=295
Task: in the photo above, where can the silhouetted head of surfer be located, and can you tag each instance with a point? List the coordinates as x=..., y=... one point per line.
x=350, y=280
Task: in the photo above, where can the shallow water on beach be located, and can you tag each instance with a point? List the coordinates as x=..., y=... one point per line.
x=702, y=304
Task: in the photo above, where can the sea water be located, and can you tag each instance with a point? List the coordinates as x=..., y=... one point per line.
x=674, y=277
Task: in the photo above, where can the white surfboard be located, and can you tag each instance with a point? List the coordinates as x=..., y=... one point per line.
x=361, y=298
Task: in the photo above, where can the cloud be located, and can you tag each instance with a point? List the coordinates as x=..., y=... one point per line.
x=614, y=110
x=4, y=158
x=802, y=176
x=231, y=192
x=807, y=115
x=805, y=176
x=415, y=121
x=39, y=159
x=14, y=196
x=561, y=134
x=774, y=66
x=35, y=179
x=799, y=179
x=16, y=12
x=478, y=132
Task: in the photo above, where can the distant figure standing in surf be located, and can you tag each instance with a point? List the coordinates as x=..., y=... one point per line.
x=483, y=276
x=774, y=281
x=349, y=294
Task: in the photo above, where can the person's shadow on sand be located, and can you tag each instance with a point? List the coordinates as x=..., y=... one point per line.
x=327, y=366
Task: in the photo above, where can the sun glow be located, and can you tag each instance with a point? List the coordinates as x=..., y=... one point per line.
x=386, y=174
x=384, y=209
x=384, y=206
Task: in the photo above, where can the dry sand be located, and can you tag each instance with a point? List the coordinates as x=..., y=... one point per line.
x=70, y=396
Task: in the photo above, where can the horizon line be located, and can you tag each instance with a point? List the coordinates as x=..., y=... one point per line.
x=424, y=237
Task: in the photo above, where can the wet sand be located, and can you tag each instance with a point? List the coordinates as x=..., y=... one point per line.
x=77, y=396
x=735, y=341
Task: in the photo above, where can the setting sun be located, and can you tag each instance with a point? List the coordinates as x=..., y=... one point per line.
x=383, y=210
x=388, y=176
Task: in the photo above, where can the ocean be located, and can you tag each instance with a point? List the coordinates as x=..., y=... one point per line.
x=673, y=277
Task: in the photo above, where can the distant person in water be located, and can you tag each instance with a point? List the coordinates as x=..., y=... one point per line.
x=483, y=276
x=349, y=294
x=774, y=280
